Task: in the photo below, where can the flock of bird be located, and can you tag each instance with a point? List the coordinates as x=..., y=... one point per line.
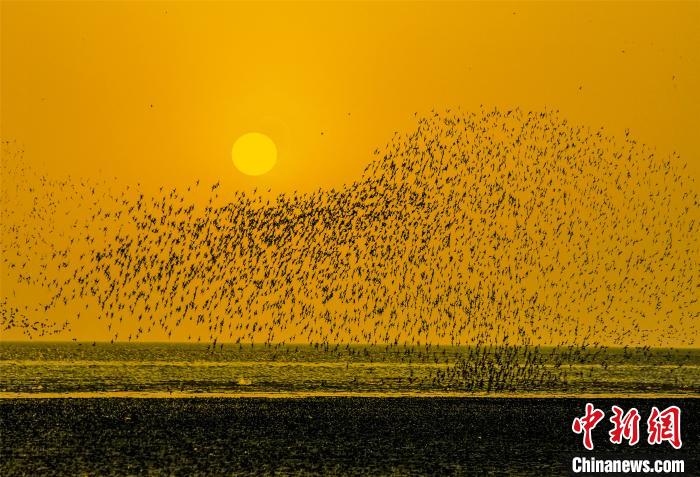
x=505, y=228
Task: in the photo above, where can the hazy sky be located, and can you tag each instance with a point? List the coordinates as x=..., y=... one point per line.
x=158, y=92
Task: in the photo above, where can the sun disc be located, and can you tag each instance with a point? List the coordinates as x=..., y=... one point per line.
x=254, y=154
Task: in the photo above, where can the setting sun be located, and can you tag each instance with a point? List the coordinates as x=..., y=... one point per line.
x=254, y=154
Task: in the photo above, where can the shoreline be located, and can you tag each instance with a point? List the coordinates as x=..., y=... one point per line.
x=339, y=394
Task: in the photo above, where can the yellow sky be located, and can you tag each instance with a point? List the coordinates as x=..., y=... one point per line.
x=79, y=79
x=157, y=92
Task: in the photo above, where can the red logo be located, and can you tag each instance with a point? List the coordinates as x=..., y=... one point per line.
x=587, y=423
x=665, y=426
x=662, y=426
x=626, y=426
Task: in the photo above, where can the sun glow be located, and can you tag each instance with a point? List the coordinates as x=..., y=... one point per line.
x=254, y=154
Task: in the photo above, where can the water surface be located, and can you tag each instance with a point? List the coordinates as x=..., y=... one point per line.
x=186, y=369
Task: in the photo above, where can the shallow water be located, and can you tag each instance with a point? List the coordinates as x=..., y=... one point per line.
x=73, y=368
x=327, y=428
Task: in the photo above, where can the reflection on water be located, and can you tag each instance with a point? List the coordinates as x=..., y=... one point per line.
x=191, y=368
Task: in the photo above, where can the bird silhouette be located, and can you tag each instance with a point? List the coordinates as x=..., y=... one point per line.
x=532, y=241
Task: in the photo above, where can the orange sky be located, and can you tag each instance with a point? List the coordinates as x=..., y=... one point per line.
x=79, y=79
x=158, y=92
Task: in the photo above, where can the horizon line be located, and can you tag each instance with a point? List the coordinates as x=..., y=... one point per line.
x=5, y=395
x=400, y=345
